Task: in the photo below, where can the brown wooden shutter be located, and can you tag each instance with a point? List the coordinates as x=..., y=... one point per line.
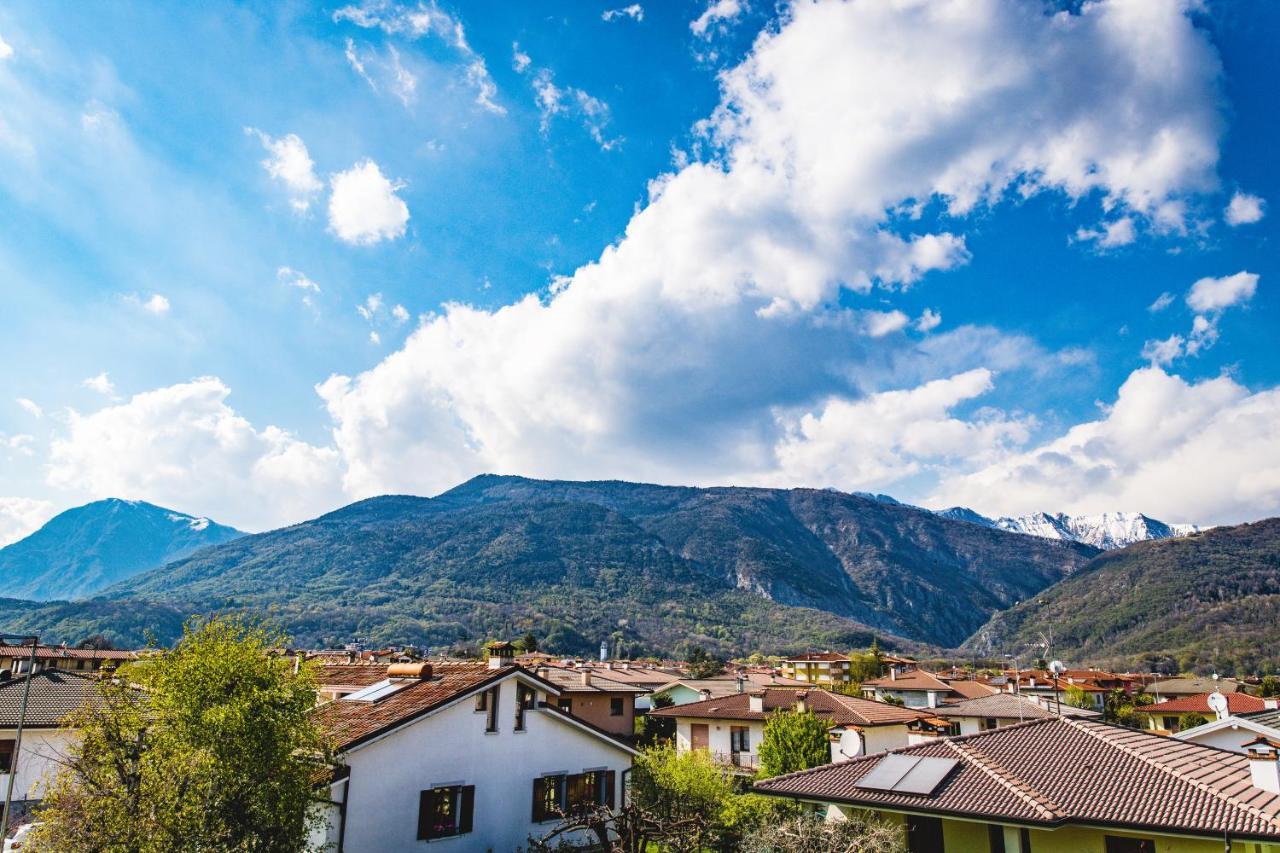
x=609, y=787
x=424, y=815
x=466, y=806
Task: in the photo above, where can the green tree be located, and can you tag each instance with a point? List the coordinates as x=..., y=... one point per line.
x=655, y=731
x=1190, y=721
x=1077, y=698
x=527, y=644
x=793, y=741
x=865, y=666
x=702, y=664
x=217, y=752
x=1270, y=686
x=808, y=833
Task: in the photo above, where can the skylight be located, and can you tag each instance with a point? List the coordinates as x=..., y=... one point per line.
x=377, y=692
x=907, y=774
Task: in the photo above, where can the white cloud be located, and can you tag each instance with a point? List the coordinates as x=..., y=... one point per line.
x=553, y=100
x=678, y=353
x=1244, y=209
x=404, y=83
x=20, y=444
x=719, y=12
x=370, y=307
x=30, y=407
x=1110, y=235
x=880, y=323
x=357, y=64
x=100, y=383
x=1216, y=294
x=928, y=320
x=414, y=22
x=375, y=338
x=1207, y=452
x=364, y=207
x=290, y=163
x=20, y=517
x=400, y=313
x=520, y=61
x=293, y=278
x=184, y=447
x=156, y=303
x=6, y=50
x=1163, y=301
x=1165, y=352
x=635, y=12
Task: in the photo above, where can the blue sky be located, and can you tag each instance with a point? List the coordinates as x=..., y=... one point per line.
x=258, y=260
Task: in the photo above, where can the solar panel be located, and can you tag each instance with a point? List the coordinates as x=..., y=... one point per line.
x=907, y=774
x=381, y=690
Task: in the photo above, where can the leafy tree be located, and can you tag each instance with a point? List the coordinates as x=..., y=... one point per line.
x=793, y=741
x=1077, y=698
x=658, y=730
x=865, y=667
x=528, y=643
x=702, y=664
x=217, y=752
x=808, y=833
x=1270, y=686
x=99, y=642
x=1190, y=721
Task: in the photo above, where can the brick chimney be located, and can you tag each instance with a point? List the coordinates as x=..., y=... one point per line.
x=755, y=701
x=1264, y=763
x=586, y=678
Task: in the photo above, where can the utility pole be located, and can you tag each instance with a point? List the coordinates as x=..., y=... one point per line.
x=17, y=738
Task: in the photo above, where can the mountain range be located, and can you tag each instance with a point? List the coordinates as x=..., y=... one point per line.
x=1106, y=530
x=86, y=549
x=735, y=569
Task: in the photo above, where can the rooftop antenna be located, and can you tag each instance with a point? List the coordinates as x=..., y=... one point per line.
x=1057, y=668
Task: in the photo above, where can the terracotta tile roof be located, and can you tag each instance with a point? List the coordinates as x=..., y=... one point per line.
x=350, y=674
x=350, y=723
x=54, y=694
x=570, y=681
x=1237, y=703
x=1060, y=771
x=819, y=656
x=1006, y=706
x=840, y=709
x=58, y=652
x=916, y=679
x=971, y=689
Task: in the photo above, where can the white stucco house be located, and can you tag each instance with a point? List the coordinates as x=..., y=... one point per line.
x=464, y=756
x=731, y=728
x=1235, y=731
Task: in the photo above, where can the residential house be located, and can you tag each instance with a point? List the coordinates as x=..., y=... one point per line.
x=16, y=657
x=915, y=688
x=731, y=727
x=1167, y=717
x=984, y=713
x=1176, y=688
x=1049, y=690
x=606, y=703
x=1056, y=785
x=1234, y=732
x=685, y=690
x=649, y=677
x=821, y=668
x=477, y=752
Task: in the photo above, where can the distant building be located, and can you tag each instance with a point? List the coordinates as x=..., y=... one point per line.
x=1168, y=717
x=682, y=691
x=1056, y=785
x=1235, y=732
x=985, y=713
x=15, y=658
x=822, y=668
x=1176, y=688
x=589, y=695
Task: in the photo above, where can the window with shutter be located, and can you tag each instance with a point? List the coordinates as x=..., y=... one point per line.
x=491, y=721
x=446, y=811
x=548, y=797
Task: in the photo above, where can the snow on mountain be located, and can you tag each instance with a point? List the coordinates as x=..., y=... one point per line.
x=1106, y=530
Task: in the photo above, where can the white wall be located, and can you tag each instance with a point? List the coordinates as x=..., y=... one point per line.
x=37, y=763
x=718, y=733
x=1228, y=737
x=451, y=746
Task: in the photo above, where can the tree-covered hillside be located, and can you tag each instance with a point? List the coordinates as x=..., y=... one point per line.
x=1206, y=602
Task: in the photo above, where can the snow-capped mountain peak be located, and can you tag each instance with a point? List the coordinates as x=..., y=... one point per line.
x=1105, y=530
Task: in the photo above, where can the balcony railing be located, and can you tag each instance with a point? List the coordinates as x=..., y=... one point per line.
x=740, y=760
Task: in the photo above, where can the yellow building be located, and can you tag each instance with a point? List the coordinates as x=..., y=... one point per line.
x=818, y=668
x=1057, y=786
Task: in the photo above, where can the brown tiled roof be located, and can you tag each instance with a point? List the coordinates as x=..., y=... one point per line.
x=819, y=656
x=916, y=679
x=54, y=694
x=58, y=652
x=1237, y=703
x=351, y=723
x=1192, y=686
x=718, y=687
x=971, y=689
x=350, y=674
x=1060, y=771
x=1006, y=706
x=840, y=709
x=570, y=681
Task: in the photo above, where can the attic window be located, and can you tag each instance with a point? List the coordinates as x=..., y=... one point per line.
x=378, y=692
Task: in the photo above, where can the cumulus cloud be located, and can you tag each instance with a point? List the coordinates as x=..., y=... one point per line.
x=30, y=407
x=1209, y=297
x=635, y=12
x=1244, y=209
x=184, y=447
x=680, y=351
x=1163, y=352
x=290, y=164
x=718, y=12
x=364, y=207
x=1110, y=235
x=880, y=323
x=520, y=61
x=928, y=320
x=100, y=383
x=6, y=50
x=20, y=517
x=1216, y=294
x=400, y=313
x=1207, y=452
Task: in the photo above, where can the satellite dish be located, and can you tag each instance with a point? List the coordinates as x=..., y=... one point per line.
x=1057, y=667
x=1218, y=704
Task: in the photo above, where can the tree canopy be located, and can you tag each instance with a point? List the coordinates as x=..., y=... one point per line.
x=793, y=741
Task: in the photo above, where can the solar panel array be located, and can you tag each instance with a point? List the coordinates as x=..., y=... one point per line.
x=908, y=774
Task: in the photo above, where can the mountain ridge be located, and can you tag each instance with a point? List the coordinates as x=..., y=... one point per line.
x=1106, y=530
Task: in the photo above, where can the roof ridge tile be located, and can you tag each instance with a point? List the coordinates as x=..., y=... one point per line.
x=1006, y=778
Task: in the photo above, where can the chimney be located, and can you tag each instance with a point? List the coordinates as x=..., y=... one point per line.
x=543, y=672
x=704, y=693
x=893, y=673
x=501, y=654
x=741, y=682
x=608, y=665
x=419, y=671
x=1271, y=704
x=1264, y=768
x=801, y=696
x=755, y=701
x=586, y=678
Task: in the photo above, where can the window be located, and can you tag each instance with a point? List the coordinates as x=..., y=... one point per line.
x=924, y=834
x=1121, y=844
x=1024, y=840
x=986, y=724
x=995, y=837
x=739, y=738
x=616, y=707
x=562, y=792
x=482, y=701
x=491, y=708
x=445, y=812
x=524, y=701
x=6, y=756
x=566, y=704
